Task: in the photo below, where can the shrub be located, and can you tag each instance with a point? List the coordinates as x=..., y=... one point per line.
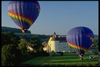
x=96, y=53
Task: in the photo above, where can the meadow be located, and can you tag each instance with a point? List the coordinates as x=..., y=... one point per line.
x=66, y=59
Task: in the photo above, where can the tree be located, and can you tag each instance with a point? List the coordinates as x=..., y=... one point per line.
x=23, y=45
x=37, y=45
x=36, y=41
x=10, y=55
x=9, y=38
x=95, y=42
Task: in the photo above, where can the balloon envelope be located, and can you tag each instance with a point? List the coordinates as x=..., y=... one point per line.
x=80, y=38
x=23, y=13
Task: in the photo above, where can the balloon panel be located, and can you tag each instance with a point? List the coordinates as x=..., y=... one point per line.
x=23, y=13
x=80, y=38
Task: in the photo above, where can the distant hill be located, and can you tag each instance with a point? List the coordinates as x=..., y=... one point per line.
x=14, y=30
x=43, y=37
x=28, y=33
x=96, y=37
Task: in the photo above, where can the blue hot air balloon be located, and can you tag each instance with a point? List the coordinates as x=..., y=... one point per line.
x=23, y=13
x=80, y=39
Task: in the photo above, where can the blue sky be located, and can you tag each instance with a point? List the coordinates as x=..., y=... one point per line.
x=59, y=16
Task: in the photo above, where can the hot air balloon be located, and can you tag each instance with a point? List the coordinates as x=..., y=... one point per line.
x=80, y=39
x=23, y=13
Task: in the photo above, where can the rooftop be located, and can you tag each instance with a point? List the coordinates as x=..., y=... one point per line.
x=58, y=37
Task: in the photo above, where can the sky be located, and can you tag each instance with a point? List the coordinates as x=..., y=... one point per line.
x=59, y=17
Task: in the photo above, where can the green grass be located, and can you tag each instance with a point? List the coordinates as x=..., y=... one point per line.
x=66, y=59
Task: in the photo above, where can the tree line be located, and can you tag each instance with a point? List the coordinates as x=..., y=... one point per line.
x=14, y=49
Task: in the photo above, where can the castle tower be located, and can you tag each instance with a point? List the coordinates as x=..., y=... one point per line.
x=58, y=44
x=54, y=34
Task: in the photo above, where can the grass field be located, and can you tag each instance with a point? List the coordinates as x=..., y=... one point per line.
x=66, y=59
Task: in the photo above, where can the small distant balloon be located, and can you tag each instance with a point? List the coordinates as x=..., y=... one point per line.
x=24, y=13
x=80, y=39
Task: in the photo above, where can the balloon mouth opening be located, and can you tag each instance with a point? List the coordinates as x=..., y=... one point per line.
x=24, y=31
x=81, y=56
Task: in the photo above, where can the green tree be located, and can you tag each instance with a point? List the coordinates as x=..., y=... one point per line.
x=95, y=42
x=37, y=45
x=23, y=45
x=36, y=41
x=9, y=38
x=10, y=55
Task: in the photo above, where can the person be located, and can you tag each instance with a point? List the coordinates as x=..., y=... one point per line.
x=90, y=57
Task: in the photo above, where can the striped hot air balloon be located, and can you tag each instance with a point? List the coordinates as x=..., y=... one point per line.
x=80, y=39
x=23, y=13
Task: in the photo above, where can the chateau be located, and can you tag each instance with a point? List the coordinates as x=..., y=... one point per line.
x=58, y=43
